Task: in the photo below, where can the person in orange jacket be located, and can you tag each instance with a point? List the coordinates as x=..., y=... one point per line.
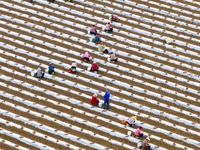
x=94, y=100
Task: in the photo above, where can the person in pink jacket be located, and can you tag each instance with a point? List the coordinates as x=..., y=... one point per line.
x=93, y=30
x=86, y=57
x=138, y=132
x=108, y=28
x=114, y=18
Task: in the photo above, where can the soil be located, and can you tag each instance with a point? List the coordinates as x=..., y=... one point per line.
x=121, y=95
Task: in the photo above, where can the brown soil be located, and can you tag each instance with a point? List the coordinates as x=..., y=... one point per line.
x=121, y=95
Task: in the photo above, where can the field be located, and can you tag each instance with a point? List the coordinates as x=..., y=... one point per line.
x=154, y=80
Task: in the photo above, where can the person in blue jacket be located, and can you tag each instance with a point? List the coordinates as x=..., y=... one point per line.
x=106, y=99
x=51, y=69
x=97, y=38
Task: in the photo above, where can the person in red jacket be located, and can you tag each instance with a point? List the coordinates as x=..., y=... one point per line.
x=94, y=100
x=94, y=67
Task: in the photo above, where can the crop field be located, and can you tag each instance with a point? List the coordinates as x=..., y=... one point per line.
x=154, y=80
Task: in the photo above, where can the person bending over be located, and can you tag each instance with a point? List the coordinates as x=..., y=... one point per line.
x=94, y=67
x=113, y=57
x=51, y=69
x=93, y=30
x=94, y=100
x=97, y=38
x=145, y=144
x=108, y=28
x=73, y=67
x=138, y=132
x=86, y=57
x=131, y=121
x=39, y=73
x=114, y=18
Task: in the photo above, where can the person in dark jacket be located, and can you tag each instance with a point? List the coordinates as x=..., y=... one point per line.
x=97, y=38
x=106, y=99
x=51, y=69
x=51, y=1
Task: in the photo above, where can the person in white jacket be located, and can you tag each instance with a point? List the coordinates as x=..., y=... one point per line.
x=39, y=73
x=113, y=57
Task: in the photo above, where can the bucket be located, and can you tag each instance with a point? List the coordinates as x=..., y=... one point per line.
x=123, y=121
x=169, y=40
x=129, y=133
x=32, y=74
x=70, y=70
x=91, y=39
x=100, y=104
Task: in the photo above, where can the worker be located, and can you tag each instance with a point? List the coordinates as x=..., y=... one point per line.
x=101, y=48
x=145, y=144
x=51, y=69
x=94, y=67
x=97, y=38
x=114, y=18
x=86, y=57
x=107, y=99
x=93, y=30
x=108, y=28
x=39, y=73
x=138, y=132
x=73, y=67
x=131, y=121
x=113, y=57
x=94, y=100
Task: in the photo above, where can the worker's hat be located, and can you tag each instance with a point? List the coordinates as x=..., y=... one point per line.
x=134, y=117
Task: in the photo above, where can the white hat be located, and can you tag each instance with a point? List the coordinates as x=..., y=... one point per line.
x=148, y=138
x=95, y=95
